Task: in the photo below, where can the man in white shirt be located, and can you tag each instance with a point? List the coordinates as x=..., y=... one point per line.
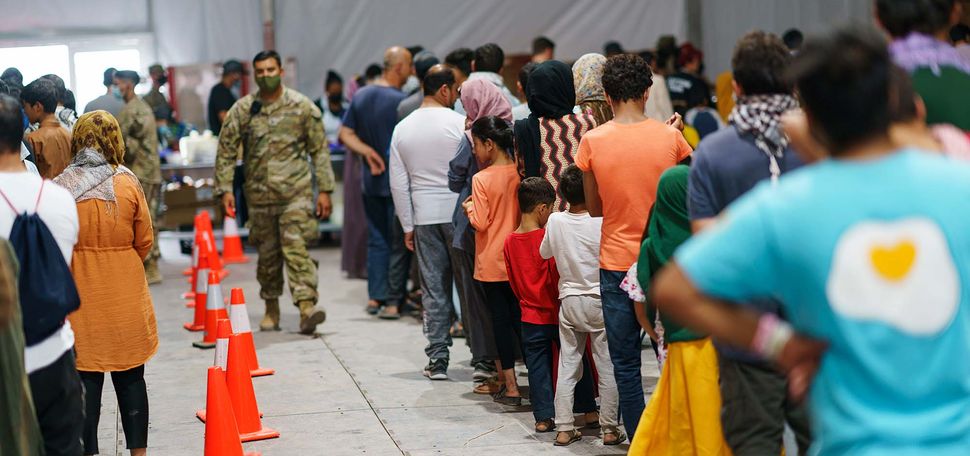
x=54, y=382
x=421, y=147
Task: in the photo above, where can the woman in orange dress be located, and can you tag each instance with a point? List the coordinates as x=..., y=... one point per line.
x=115, y=325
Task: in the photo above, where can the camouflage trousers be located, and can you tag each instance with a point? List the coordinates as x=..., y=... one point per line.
x=153, y=193
x=280, y=234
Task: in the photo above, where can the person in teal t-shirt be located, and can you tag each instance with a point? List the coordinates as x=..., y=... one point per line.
x=869, y=253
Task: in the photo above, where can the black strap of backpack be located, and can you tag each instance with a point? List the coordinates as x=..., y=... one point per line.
x=36, y=205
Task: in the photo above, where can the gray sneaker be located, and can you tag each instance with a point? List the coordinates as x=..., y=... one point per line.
x=484, y=370
x=437, y=369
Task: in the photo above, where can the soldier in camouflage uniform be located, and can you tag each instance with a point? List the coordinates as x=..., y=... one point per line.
x=276, y=130
x=141, y=143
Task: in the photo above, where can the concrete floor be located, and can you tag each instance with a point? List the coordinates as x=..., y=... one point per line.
x=356, y=389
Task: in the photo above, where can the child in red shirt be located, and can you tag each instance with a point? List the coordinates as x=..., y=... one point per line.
x=535, y=282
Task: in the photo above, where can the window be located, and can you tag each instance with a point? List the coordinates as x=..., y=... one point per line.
x=89, y=68
x=36, y=61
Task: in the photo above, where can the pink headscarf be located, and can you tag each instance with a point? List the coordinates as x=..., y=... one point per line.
x=481, y=98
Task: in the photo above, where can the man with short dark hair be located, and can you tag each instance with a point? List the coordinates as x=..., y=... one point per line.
x=366, y=131
x=111, y=100
x=793, y=39
x=488, y=63
x=542, y=49
x=137, y=122
x=461, y=59
x=280, y=134
x=66, y=116
x=51, y=143
x=48, y=359
x=864, y=251
x=421, y=147
x=422, y=63
x=221, y=97
x=726, y=165
x=154, y=97
x=622, y=161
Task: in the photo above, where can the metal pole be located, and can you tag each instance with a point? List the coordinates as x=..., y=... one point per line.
x=269, y=29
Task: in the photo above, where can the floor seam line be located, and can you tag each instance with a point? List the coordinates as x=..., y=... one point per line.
x=362, y=393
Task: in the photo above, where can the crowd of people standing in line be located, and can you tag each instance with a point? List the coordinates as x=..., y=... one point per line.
x=807, y=247
x=568, y=222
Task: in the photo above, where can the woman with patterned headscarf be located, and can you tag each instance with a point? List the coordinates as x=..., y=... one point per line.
x=115, y=325
x=547, y=141
x=590, y=96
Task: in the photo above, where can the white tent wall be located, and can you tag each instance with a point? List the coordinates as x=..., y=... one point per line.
x=200, y=31
x=723, y=22
x=349, y=35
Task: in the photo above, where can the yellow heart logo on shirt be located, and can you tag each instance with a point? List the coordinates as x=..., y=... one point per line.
x=893, y=263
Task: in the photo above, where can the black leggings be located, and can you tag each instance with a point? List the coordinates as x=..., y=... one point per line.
x=132, y=402
x=506, y=320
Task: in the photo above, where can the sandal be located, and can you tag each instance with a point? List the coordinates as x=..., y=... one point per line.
x=385, y=315
x=546, y=425
x=372, y=307
x=503, y=398
x=618, y=437
x=592, y=423
x=573, y=435
x=489, y=386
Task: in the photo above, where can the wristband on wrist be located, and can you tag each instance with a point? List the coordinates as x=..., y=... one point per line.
x=771, y=336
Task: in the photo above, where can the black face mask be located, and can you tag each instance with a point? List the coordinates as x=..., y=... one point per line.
x=162, y=80
x=335, y=98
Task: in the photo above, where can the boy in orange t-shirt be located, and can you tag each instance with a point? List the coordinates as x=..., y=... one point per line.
x=622, y=161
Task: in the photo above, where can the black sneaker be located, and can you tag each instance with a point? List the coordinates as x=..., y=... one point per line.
x=437, y=369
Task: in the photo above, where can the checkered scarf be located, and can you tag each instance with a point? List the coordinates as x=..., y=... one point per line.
x=760, y=116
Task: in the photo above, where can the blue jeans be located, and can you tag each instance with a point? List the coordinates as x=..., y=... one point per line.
x=379, y=211
x=538, y=344
x=623, y=336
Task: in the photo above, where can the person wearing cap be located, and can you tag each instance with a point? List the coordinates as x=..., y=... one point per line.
x=111, y=101
x=137, y=123
x=154, y=97
x=277, y=129
x=221, y=97
x=422, y=63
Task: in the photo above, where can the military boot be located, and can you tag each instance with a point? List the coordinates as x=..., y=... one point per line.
x=271, y=320
x=310, y=317
x=152, y=274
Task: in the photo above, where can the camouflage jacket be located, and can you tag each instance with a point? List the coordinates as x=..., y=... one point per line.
x=275, y=144
x=141, y=141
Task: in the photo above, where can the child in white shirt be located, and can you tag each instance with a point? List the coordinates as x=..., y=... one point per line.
x=573, y=239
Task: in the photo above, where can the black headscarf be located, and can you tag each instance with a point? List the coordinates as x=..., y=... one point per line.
x=551, y=95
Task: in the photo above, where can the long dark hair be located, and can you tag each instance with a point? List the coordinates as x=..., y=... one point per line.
x=496, y=129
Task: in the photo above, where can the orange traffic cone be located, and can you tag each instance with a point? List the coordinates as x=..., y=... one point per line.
x=240, y=326
x=215, y=308
x=209, y=237
x=242, y=396
x=232, y=248
x=221, y=355
x=221, y=432
x=201, y=292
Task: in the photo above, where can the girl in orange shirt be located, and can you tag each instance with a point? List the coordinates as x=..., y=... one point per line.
x=493, y=211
